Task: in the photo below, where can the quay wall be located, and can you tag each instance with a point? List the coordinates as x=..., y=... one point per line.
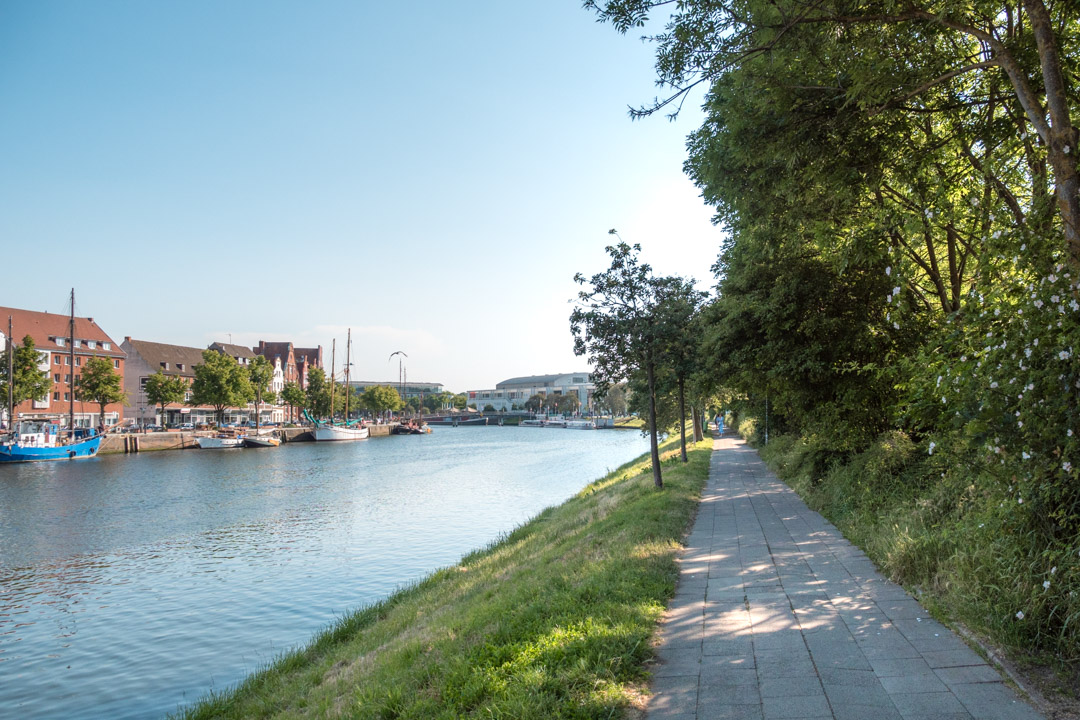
x=148, y=442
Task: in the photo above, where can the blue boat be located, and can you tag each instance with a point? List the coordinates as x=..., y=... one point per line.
x=42, y=439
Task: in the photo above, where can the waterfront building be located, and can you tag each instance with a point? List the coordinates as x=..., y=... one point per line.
x=146, y=358
x=512, y=394
x=50, y=333
x=295, y=362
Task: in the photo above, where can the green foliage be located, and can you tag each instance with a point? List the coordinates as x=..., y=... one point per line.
x=317, y=394
x=220, y=382
x=260, y=375
x=162, y=390
x=99, y=383
x=380, y=398
x=460, y=401
x=293, y=396
x=536, y=402
x=551, y=621
x=31, y=383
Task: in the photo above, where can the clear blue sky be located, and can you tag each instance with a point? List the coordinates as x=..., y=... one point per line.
x=431, y=174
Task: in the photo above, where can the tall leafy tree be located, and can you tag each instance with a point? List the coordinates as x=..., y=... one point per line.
x=162, y=390
x=677, y=314
x=536, y=402
x=260, y=375
x=220, y=382
x=380, y=398
x=30, y=382
x=100, y=383
x=293, y=396
x=613, y=323
x=318, y=394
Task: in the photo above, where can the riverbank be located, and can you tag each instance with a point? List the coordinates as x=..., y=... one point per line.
x=553, y=620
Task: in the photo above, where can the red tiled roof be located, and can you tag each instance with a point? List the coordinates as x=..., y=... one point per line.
x=44, y=327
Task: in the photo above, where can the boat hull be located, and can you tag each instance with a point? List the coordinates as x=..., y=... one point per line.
x=15, y=453
x=219, y=443
x=261, y=442
x=334, y=433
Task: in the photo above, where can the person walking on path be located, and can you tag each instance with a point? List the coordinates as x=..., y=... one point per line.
x=776, y=615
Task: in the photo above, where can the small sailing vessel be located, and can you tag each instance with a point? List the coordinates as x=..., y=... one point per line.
x=329, y=430
x=42, y=437
x=220, y=441
x=261, y=441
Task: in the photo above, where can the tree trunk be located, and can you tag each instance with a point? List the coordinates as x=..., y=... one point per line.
x=695, y=411
x=682, y=419
x=654, y=447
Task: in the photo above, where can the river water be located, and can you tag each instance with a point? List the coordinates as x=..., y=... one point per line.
x=132, y=585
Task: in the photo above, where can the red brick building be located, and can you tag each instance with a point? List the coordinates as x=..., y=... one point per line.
x=295, y=362
x=50, y=333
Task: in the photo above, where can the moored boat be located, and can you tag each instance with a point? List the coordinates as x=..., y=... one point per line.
x=326, y=431
x=42, y=439
x=531, y=423
x=219, y=442
x=580, y=425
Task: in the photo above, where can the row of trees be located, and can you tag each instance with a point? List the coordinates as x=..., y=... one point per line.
x=639, y=328
x=899, y=187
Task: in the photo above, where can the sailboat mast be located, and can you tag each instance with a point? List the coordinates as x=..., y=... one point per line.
x=71, y=354
x=333, y=378
x=348, y=347
x=10, y=377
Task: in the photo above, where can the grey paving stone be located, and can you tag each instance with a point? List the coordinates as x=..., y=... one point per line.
x=968, y=674
x=930, y=705
x=953, y=658
x=993, y=701
x=912, y=684
x=719, y=695
x=910, y=667
x=791, y=686
x=786, y=708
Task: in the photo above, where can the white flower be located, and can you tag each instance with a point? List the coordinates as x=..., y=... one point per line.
x=1052, y=277
x=1053, y=570
x=1066, y=149
x=1023, y=247
x=943, y=400
x=896, y=325
x=1019, y=614
x=997, y=234
x=1038, y=303
x=896, y=290
x=993, y=385
x=1020, y=500
x=888, y=270
x=1046, y=585
x=1025, y=455
x=1069, y=432
x=1066, y=466
x=932, y=446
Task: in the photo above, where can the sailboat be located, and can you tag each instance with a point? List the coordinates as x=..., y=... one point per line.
x=42, y=438
x=327, y=431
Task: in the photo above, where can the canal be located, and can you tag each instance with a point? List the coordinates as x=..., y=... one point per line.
x=130, y=586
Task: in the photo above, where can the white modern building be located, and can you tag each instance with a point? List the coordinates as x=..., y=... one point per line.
x=513, y=393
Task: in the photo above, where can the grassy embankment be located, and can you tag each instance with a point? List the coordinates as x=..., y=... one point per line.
x=926, y=521
x=553, y=620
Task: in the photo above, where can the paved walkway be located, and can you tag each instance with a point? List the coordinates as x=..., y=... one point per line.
x=777, y=616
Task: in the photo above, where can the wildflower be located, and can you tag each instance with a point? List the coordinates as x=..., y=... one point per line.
x=1038, y=304
x=997, y=311
x=896, y=325
x=1055, y=299
x=932, y=446
x=1066, y=149
x=1019, y=614
x=888, y=270
x=943, y=400
x=1020, y=500
x=1052, y=278
x=993, y=385
x=1023, y=247
x=1025, y=455
x=1053, y=570
x=1069, y=432
x=1046, y=585
x=997, y=234
x=1066, y=466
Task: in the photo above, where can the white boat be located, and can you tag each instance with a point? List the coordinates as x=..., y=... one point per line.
x=219, y=442
x=340, y=432
x=580, y=425
x=531, y=423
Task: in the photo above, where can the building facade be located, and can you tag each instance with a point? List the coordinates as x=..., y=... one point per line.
x=411, y=389
x=145, y=358
x=512, y=394
x=51, y=334
x=295, y=362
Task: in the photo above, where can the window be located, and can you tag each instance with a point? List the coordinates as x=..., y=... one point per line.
x=67, y=379
x=56, y=396
x=164, y=365
x=142, y=382
x=78, y=361
x=179, y=366
x=56, y=377
x=116, y=364
x=67, y=397
x=60, y=341
x=56, y=359
x=67, y=360
x=578, y=381
x=106, y=346
x=78, y=343
x=92, y=344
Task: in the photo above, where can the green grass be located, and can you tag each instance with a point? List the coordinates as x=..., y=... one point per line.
x=552, y=621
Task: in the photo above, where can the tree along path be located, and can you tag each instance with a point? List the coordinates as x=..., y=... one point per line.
x=776, y=615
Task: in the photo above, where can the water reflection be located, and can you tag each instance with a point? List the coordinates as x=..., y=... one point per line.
x=131, y=585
